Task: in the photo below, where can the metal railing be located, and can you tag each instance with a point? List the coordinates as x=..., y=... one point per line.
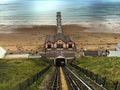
x=101, y=81
x=25, y=84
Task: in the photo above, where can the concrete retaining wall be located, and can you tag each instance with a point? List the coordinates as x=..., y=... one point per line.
x=11, y=56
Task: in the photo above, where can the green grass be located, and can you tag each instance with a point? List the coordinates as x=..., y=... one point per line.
x=104, y=66
x=37, y=84
x=14, y=71
x=85, y=79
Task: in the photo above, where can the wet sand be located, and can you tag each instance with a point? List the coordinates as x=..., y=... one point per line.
x=33, y=37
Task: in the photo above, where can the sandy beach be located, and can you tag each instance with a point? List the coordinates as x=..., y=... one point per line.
x=85, y=36
x=25, y=37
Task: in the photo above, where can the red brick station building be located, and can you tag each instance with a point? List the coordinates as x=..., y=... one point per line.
x=59, y=47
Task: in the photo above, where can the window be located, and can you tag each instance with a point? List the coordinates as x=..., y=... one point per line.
x=59, y=45
x=70, y=46
x=49, y=46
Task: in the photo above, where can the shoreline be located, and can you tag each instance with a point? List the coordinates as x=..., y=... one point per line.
x=33, y=37
x=94, y=26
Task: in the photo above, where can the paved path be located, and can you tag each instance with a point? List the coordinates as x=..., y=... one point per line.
x=63, y=80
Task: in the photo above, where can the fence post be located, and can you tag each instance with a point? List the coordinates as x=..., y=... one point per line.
x=28, y=82
x=90, y=75
x=116, y=85
x=20, y=87
x=85, y=72
x=104, y=81
x=96, y=78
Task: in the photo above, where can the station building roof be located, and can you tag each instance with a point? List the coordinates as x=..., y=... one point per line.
x=58, y=36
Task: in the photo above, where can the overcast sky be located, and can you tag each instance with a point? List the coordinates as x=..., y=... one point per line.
x=6, y=1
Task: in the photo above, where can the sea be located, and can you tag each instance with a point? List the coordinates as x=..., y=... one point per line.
x=44, y=11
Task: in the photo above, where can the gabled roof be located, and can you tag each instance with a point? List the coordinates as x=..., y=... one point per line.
x=68, y=39
x=60, y=36
x=60, y=56
x=57, y=37
x=49, y=38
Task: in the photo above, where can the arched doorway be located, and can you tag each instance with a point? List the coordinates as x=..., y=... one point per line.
x=60, y=61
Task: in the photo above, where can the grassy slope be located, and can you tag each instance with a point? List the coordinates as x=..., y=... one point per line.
x=109, y=67
x=17, y=70
x=38, y=83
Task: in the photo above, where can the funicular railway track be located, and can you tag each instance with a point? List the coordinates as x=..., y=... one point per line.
x=55, y=85
x=73, y=82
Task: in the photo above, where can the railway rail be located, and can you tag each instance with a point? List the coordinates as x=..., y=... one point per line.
x=55, y=83
x=73, y=81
